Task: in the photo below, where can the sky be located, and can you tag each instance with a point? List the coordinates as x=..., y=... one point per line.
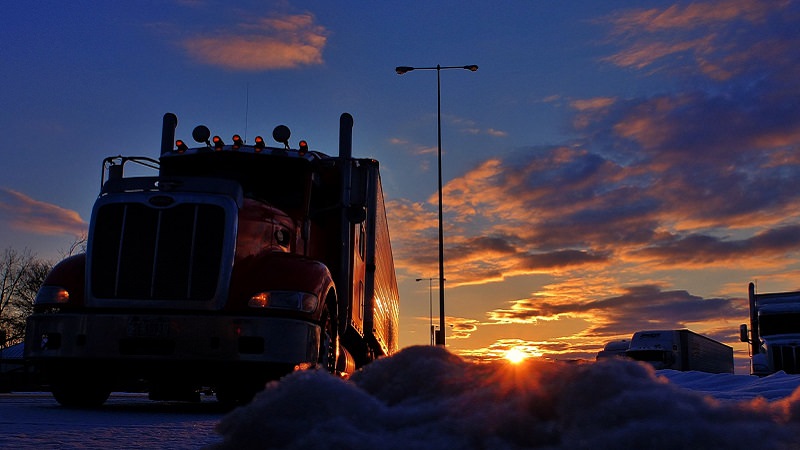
x=611, y=166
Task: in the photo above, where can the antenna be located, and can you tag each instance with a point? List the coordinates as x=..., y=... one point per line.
x=246, y=109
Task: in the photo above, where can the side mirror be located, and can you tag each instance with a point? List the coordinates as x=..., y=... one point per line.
x=356, y=214
x=743, y=333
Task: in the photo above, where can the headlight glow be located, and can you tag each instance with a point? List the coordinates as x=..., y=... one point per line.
x=51, y=295
x=290, y=300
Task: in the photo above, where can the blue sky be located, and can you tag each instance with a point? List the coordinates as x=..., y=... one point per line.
x=612, y=166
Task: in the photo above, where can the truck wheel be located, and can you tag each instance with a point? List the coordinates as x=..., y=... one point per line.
x=80, y=394
x=329, y=344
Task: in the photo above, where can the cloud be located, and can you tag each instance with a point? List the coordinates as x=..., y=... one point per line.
x=703, y=250
x=606, y=310
x=713, y=38
x=496, y=133
x=593, y=103
x=272, y=43
x=26, y=214
x=698, y=177
x=635, y=307
x=461, y=328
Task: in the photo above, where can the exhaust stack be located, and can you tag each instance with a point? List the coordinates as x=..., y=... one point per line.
x=346, y=136
x=168, y=132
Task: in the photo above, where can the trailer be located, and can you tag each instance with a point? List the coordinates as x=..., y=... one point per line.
x=682, y=350
x=233, y=265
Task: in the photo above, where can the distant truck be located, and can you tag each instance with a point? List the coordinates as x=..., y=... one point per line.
x=774, y=334
x=682, y=350
x=614, y=349
x=232, y=265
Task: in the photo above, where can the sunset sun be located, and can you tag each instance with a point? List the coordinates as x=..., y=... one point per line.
x=515, y=355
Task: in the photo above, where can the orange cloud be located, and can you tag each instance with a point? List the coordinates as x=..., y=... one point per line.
x=613, y=311
x=27, y=214
x=280, y=42
x=700, y=31
x=461, y=328
x=593, y=103
x=694, y=15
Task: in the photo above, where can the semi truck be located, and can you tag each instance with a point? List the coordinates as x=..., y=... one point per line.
x=614, y=349
x=682, y=350
x=229, y=265
x=774, y=334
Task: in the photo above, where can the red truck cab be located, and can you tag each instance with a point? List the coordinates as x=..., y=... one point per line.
x=232, y=266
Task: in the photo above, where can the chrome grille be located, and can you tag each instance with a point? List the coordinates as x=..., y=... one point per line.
x=786, y=358
x=142, y=252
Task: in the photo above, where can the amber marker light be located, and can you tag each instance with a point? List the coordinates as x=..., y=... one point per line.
x=237, y=141
x=259, y=145
x=181, y=146
x=303, y=148
x=218, y=143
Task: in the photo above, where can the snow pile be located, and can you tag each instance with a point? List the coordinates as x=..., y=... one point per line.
x=427, y=398
x=735, y=387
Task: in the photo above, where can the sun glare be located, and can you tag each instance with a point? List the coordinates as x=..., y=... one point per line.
x=515, y=355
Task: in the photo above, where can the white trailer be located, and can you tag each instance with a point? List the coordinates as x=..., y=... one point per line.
x=682, y=350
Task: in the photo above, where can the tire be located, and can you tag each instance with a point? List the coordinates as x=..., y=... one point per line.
x=80, y=394
x=329, y=343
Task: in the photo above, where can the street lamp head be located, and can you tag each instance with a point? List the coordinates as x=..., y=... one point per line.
x=471, y=68
x=403, y=69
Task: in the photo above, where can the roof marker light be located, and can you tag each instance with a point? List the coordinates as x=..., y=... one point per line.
x=259, y=145
x=303, y=148
x=181, y=146
x=218, y=144
x=237, y=142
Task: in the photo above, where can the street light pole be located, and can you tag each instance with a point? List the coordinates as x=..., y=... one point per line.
x=400, y=71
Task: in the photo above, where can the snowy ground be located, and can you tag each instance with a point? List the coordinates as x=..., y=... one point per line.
x=35, y=421
x=426, y=398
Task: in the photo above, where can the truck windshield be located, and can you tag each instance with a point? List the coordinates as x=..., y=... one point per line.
x=280, y=181
x=786, y=323
x=647, y=355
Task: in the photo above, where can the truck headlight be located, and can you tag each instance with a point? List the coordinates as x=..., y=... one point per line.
x=50, y=295
x=292, y=300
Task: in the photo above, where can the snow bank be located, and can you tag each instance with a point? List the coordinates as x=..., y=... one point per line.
x=427, y=398
x=726, y=386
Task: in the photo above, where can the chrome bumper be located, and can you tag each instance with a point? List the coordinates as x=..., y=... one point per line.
x=175, y=338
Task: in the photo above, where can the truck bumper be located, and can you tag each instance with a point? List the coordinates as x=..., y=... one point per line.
x=143, y=342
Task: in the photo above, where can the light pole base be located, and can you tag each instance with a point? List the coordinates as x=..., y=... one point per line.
x=440, y=337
